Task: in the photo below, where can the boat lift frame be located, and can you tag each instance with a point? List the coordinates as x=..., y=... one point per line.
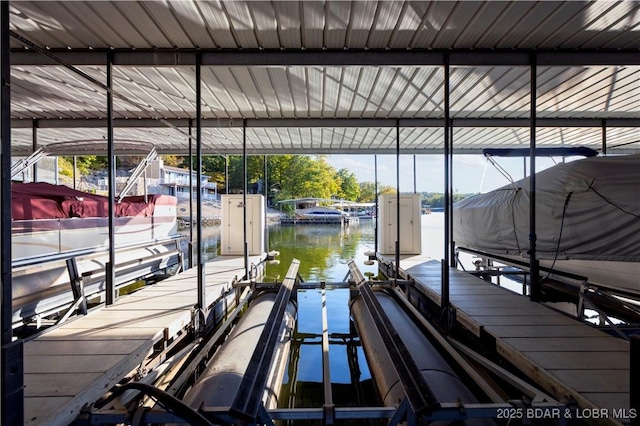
x=247, y=408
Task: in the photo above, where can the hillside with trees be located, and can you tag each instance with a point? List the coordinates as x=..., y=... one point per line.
x=288, y=176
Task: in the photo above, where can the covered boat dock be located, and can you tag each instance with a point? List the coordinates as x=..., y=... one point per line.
x=262, y=78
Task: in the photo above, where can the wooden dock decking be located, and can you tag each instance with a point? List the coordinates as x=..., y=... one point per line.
x=569, y=359
x=79, y=361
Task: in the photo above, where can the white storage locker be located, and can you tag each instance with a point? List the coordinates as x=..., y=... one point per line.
x=232, y=224
x=410, y=224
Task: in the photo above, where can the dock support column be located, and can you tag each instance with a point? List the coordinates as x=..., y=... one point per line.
x=244, y=197
x=415, y=187
x=266, y=202
x=190, y=246
x=110, y=271
x=34, y=148
x=11, y=355
x=634, y=377
x=375, y=188
x=604, y=137
x=536, y=292
x=397, y=274
x=202, y=298
x=446, y=262
x=200, y=263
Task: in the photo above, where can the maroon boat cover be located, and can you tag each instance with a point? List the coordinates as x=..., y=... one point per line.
x=40, y=200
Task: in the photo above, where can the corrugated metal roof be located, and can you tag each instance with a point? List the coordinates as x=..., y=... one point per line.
x=336, y=91
x=332, y=24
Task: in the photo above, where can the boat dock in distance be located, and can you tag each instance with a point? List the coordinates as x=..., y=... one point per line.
x=318, y=220
x=308, y=211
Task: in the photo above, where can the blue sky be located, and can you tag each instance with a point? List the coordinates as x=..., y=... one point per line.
x=472, y=174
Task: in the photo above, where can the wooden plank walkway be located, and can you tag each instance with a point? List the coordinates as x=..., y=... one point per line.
x=78, y=362
x=564, y=356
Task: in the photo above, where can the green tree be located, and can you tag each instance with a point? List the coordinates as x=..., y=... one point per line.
x=349, y=187
x=386, y=189
x=367, y=192
x=303, y=176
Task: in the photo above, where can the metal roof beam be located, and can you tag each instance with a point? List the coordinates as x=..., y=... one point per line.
x=464, y=57
x=69, y=123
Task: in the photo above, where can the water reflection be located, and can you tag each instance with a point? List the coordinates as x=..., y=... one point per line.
x=351, y=382
x=323, y=250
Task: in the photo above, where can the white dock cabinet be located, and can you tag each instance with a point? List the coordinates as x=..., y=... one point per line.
x=232, y=224
x=410, y=224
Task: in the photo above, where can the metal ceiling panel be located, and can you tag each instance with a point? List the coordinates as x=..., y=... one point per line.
x=126, y=23
x=192, y=24
x=234, y=90
x=362, y=18
x=607, y=22
x=72, y=25
x=217, y=24
x=435, y=21
x=313, y=24
x=318, y=24
x=589, y=92
x=160, y=92
x=384, y=24
x=56, y=92
x=242, y=24
x=566, y=17
x=337, y=24
x=266, y=25
x=459, y=20
x=222, y=141
x=523, y=22
x=489, y=92
x=289, y=23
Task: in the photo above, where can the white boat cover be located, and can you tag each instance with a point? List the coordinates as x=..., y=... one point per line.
x=585, y=209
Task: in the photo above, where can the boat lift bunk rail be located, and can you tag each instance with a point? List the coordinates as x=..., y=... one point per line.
x=429, y=408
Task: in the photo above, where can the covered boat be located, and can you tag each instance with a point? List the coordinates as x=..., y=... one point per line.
x=587, y=220
x=51, y=219
x=54, y=225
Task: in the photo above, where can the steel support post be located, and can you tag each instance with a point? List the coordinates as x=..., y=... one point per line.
x=634, y=378
x=375, y=186
x=604, y=137
x=226, y=174
x=266, y=201
x=202, y=298
x=244, y=198
x=447, y=187
x=415, y=186
x=190, y=247
x=397, y=247
x=34, y=148
x=111, y=175
x=11, y=355
x=534, y=268
x=452, y=243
